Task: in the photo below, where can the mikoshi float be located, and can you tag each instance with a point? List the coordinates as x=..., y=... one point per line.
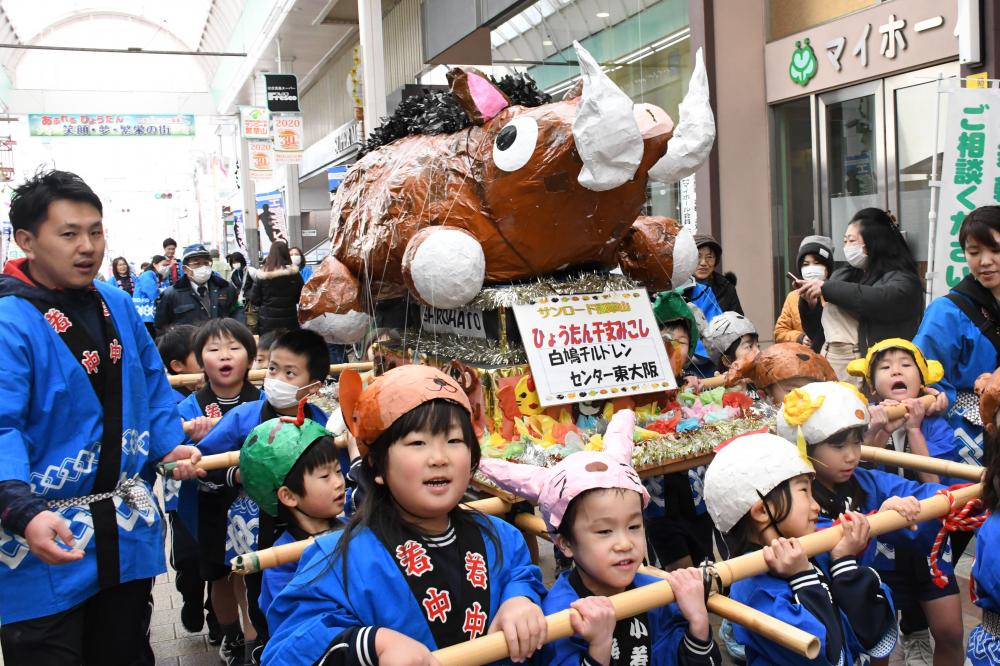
x=486, y=225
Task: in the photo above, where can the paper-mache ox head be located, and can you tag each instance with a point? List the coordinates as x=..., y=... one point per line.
x=486, y=185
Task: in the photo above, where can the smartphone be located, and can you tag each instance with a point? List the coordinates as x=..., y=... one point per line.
x=791, y=276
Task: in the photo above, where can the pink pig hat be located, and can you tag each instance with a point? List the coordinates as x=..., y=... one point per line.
x=554, y=488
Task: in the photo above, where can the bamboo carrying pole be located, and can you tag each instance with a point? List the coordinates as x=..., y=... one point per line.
x=292, y=552
x=492, y=647
x=258, y=375
x=899, y=411
x=228, y=459
x=786, y=635
x=922, y=463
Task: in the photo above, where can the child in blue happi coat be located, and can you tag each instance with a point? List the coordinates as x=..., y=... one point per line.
x=297, y=368
x=678, y=528
x=895, y=372
x=291, y=469
x=759, y=493
x=412, y=571
x=593, y=501
x=223, y=348
x=832, y=420
x=984, y=640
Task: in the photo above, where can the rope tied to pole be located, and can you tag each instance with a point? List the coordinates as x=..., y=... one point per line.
x=958, y=519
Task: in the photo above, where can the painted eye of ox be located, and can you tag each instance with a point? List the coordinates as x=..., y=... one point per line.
x=515, y=143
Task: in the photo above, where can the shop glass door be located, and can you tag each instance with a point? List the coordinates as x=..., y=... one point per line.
x=909, y=111
x=852, y=166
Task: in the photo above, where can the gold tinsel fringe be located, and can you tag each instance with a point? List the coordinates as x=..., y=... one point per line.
x=493, y=298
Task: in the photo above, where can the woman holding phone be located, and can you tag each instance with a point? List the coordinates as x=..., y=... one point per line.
x=878, y=295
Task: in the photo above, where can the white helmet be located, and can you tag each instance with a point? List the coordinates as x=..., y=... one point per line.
x=746, y=469
x=724, y=330
x=821, y=409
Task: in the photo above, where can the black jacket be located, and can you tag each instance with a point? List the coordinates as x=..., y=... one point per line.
x=275, y=294
x=724, y=288
x=890, y=305
x=180, y=304
x=242, y=281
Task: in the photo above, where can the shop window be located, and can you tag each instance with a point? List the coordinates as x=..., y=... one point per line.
x=793, y=209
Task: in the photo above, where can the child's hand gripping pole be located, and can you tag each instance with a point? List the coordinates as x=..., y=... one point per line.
x=257, y=376
x=782, y=633
x=894, y=412
x=188, y=426
x=492, y=647
x=292, y=552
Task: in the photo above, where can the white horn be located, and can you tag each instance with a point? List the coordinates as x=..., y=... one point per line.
x=604, y=130
x=694, y=135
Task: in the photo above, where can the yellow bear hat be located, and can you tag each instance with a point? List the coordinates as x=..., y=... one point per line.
x=930, y=371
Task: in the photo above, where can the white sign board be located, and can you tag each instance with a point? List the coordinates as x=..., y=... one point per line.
x=970, y=176
x=593, y=346
x=467, y=322
x=255, y=122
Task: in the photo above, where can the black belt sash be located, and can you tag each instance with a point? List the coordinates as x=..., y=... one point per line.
x=101, y=362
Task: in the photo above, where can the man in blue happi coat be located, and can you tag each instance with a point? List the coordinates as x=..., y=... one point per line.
x=85, y=413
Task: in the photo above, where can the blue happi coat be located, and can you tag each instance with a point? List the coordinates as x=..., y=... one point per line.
x=881, y=552
x=774, y=596
x=950, y=337
x=50, y=437
x=984, y=647
x=667, y=628
x=314, y=608
x=228, y=435
x=148, y=287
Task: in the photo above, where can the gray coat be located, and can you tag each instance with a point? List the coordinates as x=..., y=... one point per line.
x=890, y=305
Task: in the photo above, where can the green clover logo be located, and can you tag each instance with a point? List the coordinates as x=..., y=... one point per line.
x=804, y=64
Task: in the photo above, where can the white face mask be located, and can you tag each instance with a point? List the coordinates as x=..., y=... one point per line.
x=237, y=266
x=163, y=270
x=814, y=272
x=201, y=274
x=855, y=255
x=282, y=395
x=297, y=260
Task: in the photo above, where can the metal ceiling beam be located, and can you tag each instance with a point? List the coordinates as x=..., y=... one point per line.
x=133, y=50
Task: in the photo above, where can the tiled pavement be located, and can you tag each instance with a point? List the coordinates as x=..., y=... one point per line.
x=174, y=646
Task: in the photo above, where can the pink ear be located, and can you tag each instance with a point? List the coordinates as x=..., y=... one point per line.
x=523, y=480
x=477, y=95
x=618, y=436
x=488, y=99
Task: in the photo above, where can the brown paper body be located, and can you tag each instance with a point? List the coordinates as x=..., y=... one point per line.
x=534, y=221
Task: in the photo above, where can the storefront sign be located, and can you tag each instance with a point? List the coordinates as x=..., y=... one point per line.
x=287, y=131
x=886, y=38
x=347, y=137
x=117, y=124
x=467, y=322
x=282, y=92
x=261, y=159
x=590, y=346
x=255, y=122
x=970, y=176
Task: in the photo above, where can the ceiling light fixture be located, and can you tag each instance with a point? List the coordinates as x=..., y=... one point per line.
x=546, y=42
x=603, y=14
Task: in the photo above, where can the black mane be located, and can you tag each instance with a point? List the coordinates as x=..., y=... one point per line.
x=440, y=113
